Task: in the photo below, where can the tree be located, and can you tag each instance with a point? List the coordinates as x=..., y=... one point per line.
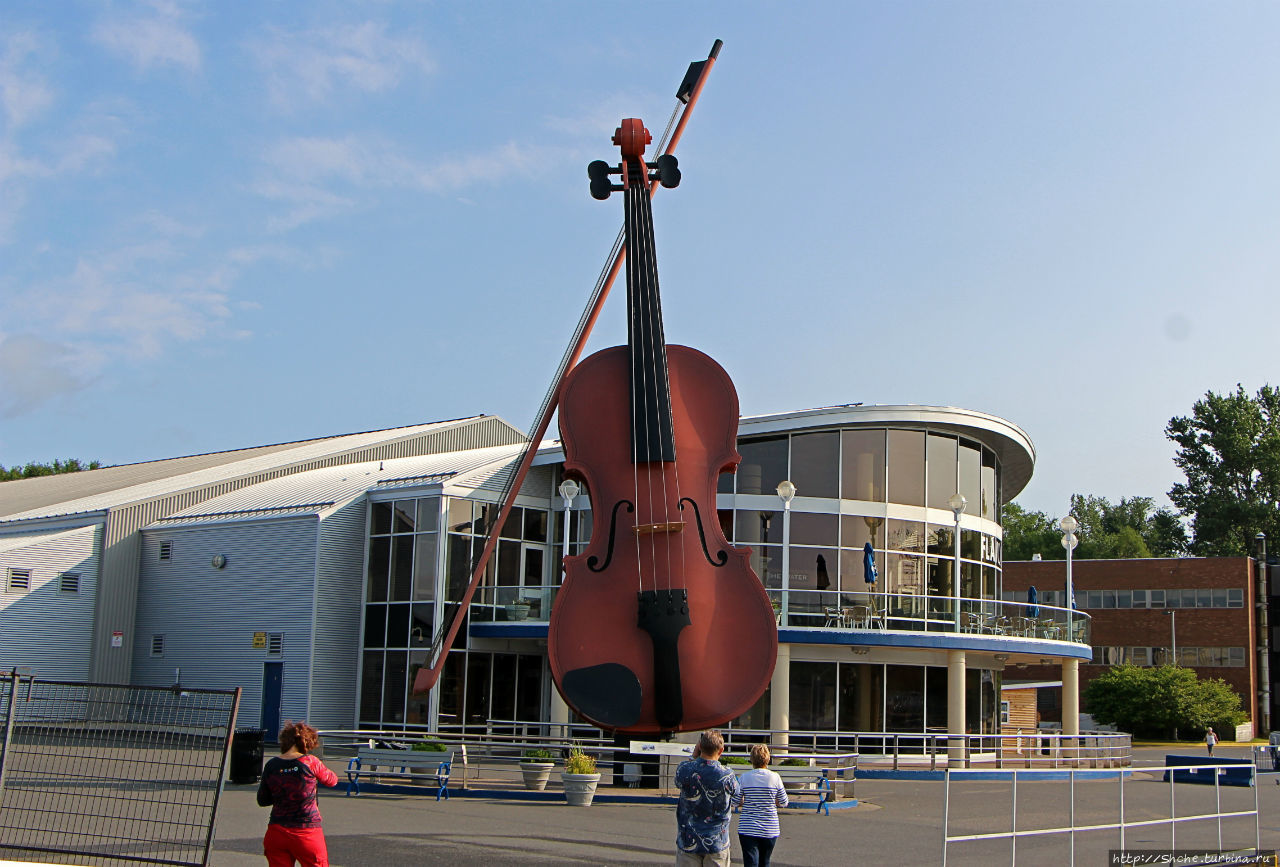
x=1156, y=702
x=31, y=470
x=1229, y=451
x=1108, y=531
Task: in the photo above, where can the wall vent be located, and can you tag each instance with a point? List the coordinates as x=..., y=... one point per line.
x=157, y=645
x=166, y=550
x=19, y=581
x=275, y=643
x=69, y=582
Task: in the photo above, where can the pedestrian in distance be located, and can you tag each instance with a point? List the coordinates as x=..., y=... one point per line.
x=760, y=797
x=1210, y=739
x=288, y=787
x=707, y=792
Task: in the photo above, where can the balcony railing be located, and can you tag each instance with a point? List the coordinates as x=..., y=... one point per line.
x=853, y=610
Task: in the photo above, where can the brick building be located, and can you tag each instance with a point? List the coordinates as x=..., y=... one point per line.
x=1139, y=608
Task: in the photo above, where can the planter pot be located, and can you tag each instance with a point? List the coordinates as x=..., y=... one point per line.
x=579, y=789
x=518, y=611
x=536, y=774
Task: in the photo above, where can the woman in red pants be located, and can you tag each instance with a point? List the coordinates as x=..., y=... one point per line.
x=289, y=788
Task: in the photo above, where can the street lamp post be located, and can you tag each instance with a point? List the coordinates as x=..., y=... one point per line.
x=1069, y=526
x=957, y=504
x=787, y=492
x=568, y=490
x=1173, y=635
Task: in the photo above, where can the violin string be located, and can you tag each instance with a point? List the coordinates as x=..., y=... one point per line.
x=658, y=359
x=634, y=299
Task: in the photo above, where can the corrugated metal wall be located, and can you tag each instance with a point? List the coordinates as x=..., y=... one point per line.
x=339, y=593
x=119, y=574
x=208, y=616
x=46, y=628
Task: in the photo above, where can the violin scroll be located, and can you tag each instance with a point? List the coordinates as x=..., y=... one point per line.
x=632, y=137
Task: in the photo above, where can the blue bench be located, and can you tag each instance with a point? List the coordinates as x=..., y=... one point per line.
x=1240, y=772
x=412, y=766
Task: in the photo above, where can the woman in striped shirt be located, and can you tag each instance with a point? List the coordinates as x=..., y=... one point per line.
x=760, y=797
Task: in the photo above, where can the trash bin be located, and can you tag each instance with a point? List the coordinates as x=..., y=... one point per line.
x=246, y=756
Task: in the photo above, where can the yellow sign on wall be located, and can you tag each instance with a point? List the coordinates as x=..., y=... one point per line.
x=259, y=639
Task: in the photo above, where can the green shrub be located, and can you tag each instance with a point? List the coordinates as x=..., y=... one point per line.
x=794, y=762
x=734, y=760
x=430, y=745
x=579, y=762
x=538, y=755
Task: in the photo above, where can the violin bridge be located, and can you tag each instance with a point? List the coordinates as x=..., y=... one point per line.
x=664, y=527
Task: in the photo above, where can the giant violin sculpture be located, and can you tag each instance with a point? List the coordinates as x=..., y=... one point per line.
x=661, y=625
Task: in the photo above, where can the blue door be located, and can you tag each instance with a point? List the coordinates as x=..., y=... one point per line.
x=272, y=684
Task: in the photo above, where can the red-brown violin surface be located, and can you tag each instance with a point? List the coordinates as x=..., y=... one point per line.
x=660, y=625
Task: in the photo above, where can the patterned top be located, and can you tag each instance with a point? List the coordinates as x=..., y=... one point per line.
x=289, y=787
x=707, y=788
x=762, y=795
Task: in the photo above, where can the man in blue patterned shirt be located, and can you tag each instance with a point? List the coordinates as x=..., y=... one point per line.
x=707, y=789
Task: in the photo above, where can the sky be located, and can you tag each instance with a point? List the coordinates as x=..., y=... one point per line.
x=228, y=224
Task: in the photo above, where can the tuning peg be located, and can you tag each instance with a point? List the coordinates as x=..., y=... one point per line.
x=598, y=170
x=601, y=188
x=668, y=171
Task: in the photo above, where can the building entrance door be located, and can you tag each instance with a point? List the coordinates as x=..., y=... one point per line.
x=272, y=687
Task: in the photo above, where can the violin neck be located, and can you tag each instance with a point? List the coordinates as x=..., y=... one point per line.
x=652, y=435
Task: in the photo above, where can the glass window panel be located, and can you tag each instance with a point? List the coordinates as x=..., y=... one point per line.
x=1139, y=599
x=764, y=464
x=858, y=530
x=381, y=520
x=766, y=562
x=459, y=515
x=393, y=686
x=861, y=697
x=940, y=469
x=424, y=566
x=1235, y=656
x=375, y=626
x=398, y=625
x=724, y=484
x=906, y=467
x=405, y=512
x=940, y=540
x=459, y=565
x=371, y=688
x=904, y=698
x=402, y=569
x=1209, y=656
x=514, y=525
x=758, y=528
x=990, y=496
x=533, y=566
x=725, y=516
x=1140, y=655
x=379, y=568
x=1188, y=599
x=1188, y=657
x=813, y=696
x=504, y=687
x=477, y=709
x=903, y=573
x=971, y=580
x=1173, y=600
x=815, y=464
x=1099, y=655
x=904, y=536
x=452, y=683
x=1094, y=599
x=1157, y=598
x=421, y=628
x=814, y=569
x=418, y=707
x=970, y=476
x=529, y=689
x=809, y=528
x=938, y=579
x=1108, y=599
x=508, y=564
x=853, y=572
x=862, y=465
x=1220, y=598
x=970, y=544
x=1235, y=598
x=935, y=698
x=1204, y=598
x=1124, y=599
x=428, y=514
x=535, y=525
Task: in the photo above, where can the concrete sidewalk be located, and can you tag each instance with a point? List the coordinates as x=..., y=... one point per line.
x=896, y=822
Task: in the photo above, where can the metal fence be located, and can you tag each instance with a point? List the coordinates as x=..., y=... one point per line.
x=105, y=774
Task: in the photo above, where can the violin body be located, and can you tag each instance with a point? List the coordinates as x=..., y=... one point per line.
x=728, y=649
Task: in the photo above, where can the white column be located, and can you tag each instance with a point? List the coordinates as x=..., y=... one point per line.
x=955, y=708
x=780, y=699
x=1071, y=696
x=559, y=715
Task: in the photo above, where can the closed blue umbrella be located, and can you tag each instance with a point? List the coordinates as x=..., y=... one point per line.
x=868, y=564
x=1033, y=609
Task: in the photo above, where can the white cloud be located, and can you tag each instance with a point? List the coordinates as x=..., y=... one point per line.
x=304, y=173
x=23, y=93
x=154, y=37
x=310, y=65
x=34, y=370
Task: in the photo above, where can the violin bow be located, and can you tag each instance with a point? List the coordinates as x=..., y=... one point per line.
x=686, y=96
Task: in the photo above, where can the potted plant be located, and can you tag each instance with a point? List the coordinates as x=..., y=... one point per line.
x=580, y=778
x=536, y=767
x=518, y=610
